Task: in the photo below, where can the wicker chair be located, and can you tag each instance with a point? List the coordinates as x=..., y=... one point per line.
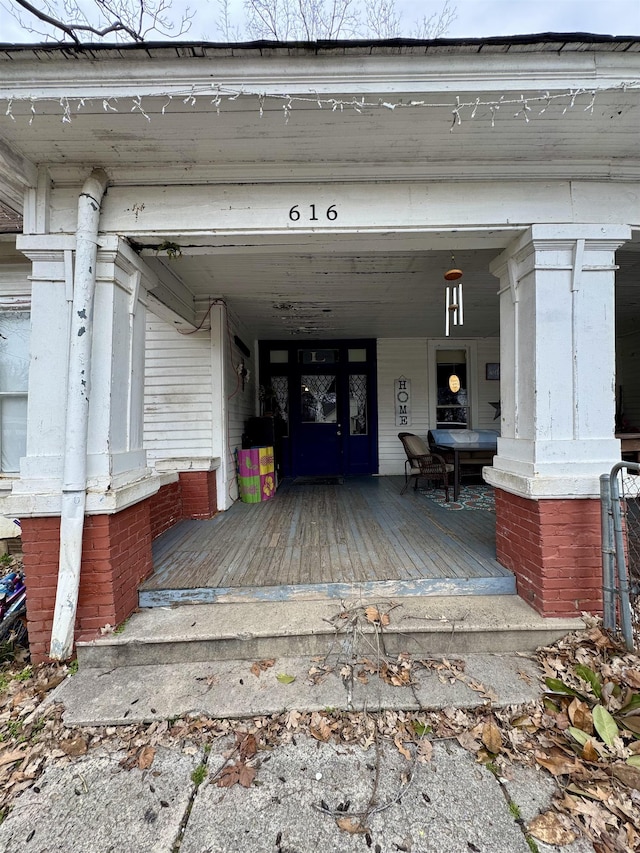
x=422, y=463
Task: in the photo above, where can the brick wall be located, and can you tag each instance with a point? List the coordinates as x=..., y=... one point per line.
x=116, y=558
x=553, y=548
x=165, y=508
x=199, y=498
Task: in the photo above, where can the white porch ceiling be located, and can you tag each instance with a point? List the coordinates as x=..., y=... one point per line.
x=342, y=295
x=371, y=292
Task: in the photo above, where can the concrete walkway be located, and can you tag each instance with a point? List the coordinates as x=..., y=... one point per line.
x=307, y=796
x=450, y=805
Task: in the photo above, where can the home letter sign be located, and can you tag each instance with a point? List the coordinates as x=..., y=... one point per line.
x=403, y=401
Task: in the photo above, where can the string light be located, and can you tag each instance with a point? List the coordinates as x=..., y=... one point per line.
x=217, y=94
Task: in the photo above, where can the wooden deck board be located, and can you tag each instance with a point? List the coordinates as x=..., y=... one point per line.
x=362, y=532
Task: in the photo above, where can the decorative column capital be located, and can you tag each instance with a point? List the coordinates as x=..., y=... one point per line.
x=559, y=238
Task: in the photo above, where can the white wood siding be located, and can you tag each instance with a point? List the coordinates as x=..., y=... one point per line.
x=487, y=391
x=177, y=392
x=15, y=282
x=400, y=357
x=408, y=357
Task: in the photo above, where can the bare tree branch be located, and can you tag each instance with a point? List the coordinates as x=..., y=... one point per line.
x=437, y=24
x=129, y=19
x=308, y=20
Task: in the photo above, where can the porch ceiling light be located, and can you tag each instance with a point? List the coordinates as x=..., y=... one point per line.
x=453, y=312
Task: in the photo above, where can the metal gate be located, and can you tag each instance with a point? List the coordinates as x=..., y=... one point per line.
x=620, y=498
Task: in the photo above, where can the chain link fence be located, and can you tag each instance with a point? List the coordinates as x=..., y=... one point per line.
x=620, y=496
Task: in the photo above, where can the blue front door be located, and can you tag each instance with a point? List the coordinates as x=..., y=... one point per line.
x=317, y=425
x=324, y=396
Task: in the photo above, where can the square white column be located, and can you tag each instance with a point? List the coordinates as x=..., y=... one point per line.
x=117, y=472
x=557, y=343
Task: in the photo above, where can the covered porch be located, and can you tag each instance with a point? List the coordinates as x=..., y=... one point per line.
x=359, y=536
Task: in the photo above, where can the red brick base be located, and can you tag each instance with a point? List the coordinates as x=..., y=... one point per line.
x=199, y=498
x=116, y=557
x=553, y=548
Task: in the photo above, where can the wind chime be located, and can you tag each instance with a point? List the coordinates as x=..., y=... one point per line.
x=453, y=311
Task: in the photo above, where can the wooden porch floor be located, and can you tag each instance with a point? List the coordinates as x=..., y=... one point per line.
x=329, y=540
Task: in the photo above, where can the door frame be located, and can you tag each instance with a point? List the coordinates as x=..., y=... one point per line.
x=359, y=452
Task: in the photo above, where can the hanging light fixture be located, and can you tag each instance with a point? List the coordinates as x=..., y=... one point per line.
x=453, y=312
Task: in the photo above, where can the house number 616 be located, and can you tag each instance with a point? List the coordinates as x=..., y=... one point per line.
x=330, y=213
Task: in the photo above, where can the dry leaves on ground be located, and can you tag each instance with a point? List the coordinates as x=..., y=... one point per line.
x=584, y=730
x=261, y=666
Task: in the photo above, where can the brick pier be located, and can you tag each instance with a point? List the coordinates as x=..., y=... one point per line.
x=116, y=557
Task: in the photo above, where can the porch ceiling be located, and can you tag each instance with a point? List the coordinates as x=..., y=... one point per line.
x=341, y=295
x=340, y=291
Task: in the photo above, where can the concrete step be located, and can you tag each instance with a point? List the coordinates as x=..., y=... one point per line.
x=422, y=626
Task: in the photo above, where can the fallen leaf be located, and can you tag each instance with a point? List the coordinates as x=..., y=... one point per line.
x=468, y=741
x=587, y=674
x=632, y=677
x=228, y=776
x=491, y=737
x=247, y=745
x=283, y=678
x=76, y=745
x=425, y=751
x=351, y=825
x=547, y=827
x=605, y=725
x=373, y=614
x=11, y=757
x=319, y=727
x=589, y=752
x=557, y=686
x=632, y=723
x=402, y=749
x=50, y=684
x=557, y=763
x=578, y=734
x=384, y=619
x=246, y=775
x=629, y=776
x=580, y=716
x=292, y=720
x=261, y=666
x=634, y=761
x=145, y=757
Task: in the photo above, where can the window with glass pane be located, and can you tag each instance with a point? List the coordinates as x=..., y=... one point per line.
x=318, y=356
x=358, y=405
x=14, y=382
x=452, y=409
x=280, y=386
x=318, y=399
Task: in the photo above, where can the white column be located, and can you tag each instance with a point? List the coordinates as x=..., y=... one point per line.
x=557, y=353
x=117, y=473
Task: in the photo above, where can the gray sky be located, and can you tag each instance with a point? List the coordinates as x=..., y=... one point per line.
x=515, y=17
x=475, y=18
